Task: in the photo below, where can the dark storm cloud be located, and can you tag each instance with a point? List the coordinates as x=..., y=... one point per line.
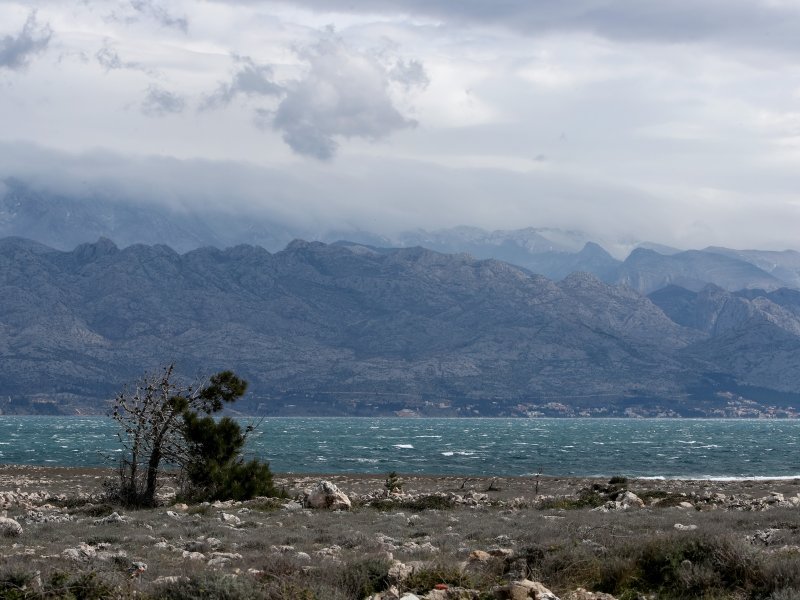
x=759, y=22
x=251, y=80
x=160, y=102
x=17, y=50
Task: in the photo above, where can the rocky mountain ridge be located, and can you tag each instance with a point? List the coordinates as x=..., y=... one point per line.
x=347, y=329
x=63, y=221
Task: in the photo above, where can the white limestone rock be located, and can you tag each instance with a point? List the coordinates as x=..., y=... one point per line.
x=325, y=494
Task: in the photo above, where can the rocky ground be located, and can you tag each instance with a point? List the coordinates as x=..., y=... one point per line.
x=429, y=537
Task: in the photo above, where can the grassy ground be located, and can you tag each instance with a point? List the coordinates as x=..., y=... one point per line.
x=263, y=550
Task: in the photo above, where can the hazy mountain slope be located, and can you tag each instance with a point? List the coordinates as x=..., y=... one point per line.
x=784, y=265
x=318, y=319
x=750, y=336
x=646, y=271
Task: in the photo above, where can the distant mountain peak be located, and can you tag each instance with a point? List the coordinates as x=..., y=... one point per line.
x=92, y=251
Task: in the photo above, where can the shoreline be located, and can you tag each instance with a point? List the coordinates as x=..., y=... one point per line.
x=109, y=470
x=89, y=480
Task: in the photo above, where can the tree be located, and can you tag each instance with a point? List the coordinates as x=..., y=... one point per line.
x=154, y=415
x=216, y=469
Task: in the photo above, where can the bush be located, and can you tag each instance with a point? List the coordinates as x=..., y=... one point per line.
x=216, y=470
x=587, y=498
x=393, y=482
x=429, y=502
x=364, y=577
x=211, y=587
x=422, y=580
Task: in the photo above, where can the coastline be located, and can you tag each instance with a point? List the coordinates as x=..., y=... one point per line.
x=61, y=480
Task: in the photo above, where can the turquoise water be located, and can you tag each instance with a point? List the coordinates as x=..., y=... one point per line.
x=602, y=447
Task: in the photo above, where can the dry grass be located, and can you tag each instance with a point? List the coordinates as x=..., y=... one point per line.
x=341, y=556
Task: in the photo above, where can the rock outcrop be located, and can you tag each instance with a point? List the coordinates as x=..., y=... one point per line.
x=9, y=527
x=326, y=495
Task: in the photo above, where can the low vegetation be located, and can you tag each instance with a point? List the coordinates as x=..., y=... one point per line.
x=267, y=548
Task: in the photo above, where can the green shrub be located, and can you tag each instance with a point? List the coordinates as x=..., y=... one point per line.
x=83, y=586
x=211, y=587
x=393, y=482
x=216, y=470
x=14, y=584
x=423, y=580
x=429, y=502
x=587, y=498
x=364, y=577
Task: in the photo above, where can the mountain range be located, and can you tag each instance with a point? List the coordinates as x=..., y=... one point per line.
x=347, y=328
x=63, y=221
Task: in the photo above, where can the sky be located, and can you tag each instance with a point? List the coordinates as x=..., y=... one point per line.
x=635, y=120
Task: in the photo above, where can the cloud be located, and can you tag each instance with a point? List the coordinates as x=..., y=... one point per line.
x=160, y=102
x=310, y=199
x=250, y=80
x=344, y=94
x=157, y=12
x=757, y=23
x=149, y=10
x=17, y=51
x=409, y=74
x=110, y=60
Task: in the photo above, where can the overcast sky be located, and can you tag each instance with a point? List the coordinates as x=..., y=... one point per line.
x=670, y=121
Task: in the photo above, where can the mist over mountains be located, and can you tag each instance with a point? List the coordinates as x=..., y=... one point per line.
x=349, y=329
x=65, y=221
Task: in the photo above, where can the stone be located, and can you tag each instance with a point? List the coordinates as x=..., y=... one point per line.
x=83, y=552
x=108, y=556
x=524, y=589
x=325, y=494
x=114, y=517
x=583, y=594
x=195, y=545
x=9, y=527
x=137, y=568
x=479, y=556
x=168, y=579
x=228, y=555
x=219, y=561
x=193, y=555
x=399, y=572
x=631, y=500
x=681, y=527
x=230, y=519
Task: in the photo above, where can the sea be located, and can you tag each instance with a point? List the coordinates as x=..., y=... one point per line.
x=657, y=448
